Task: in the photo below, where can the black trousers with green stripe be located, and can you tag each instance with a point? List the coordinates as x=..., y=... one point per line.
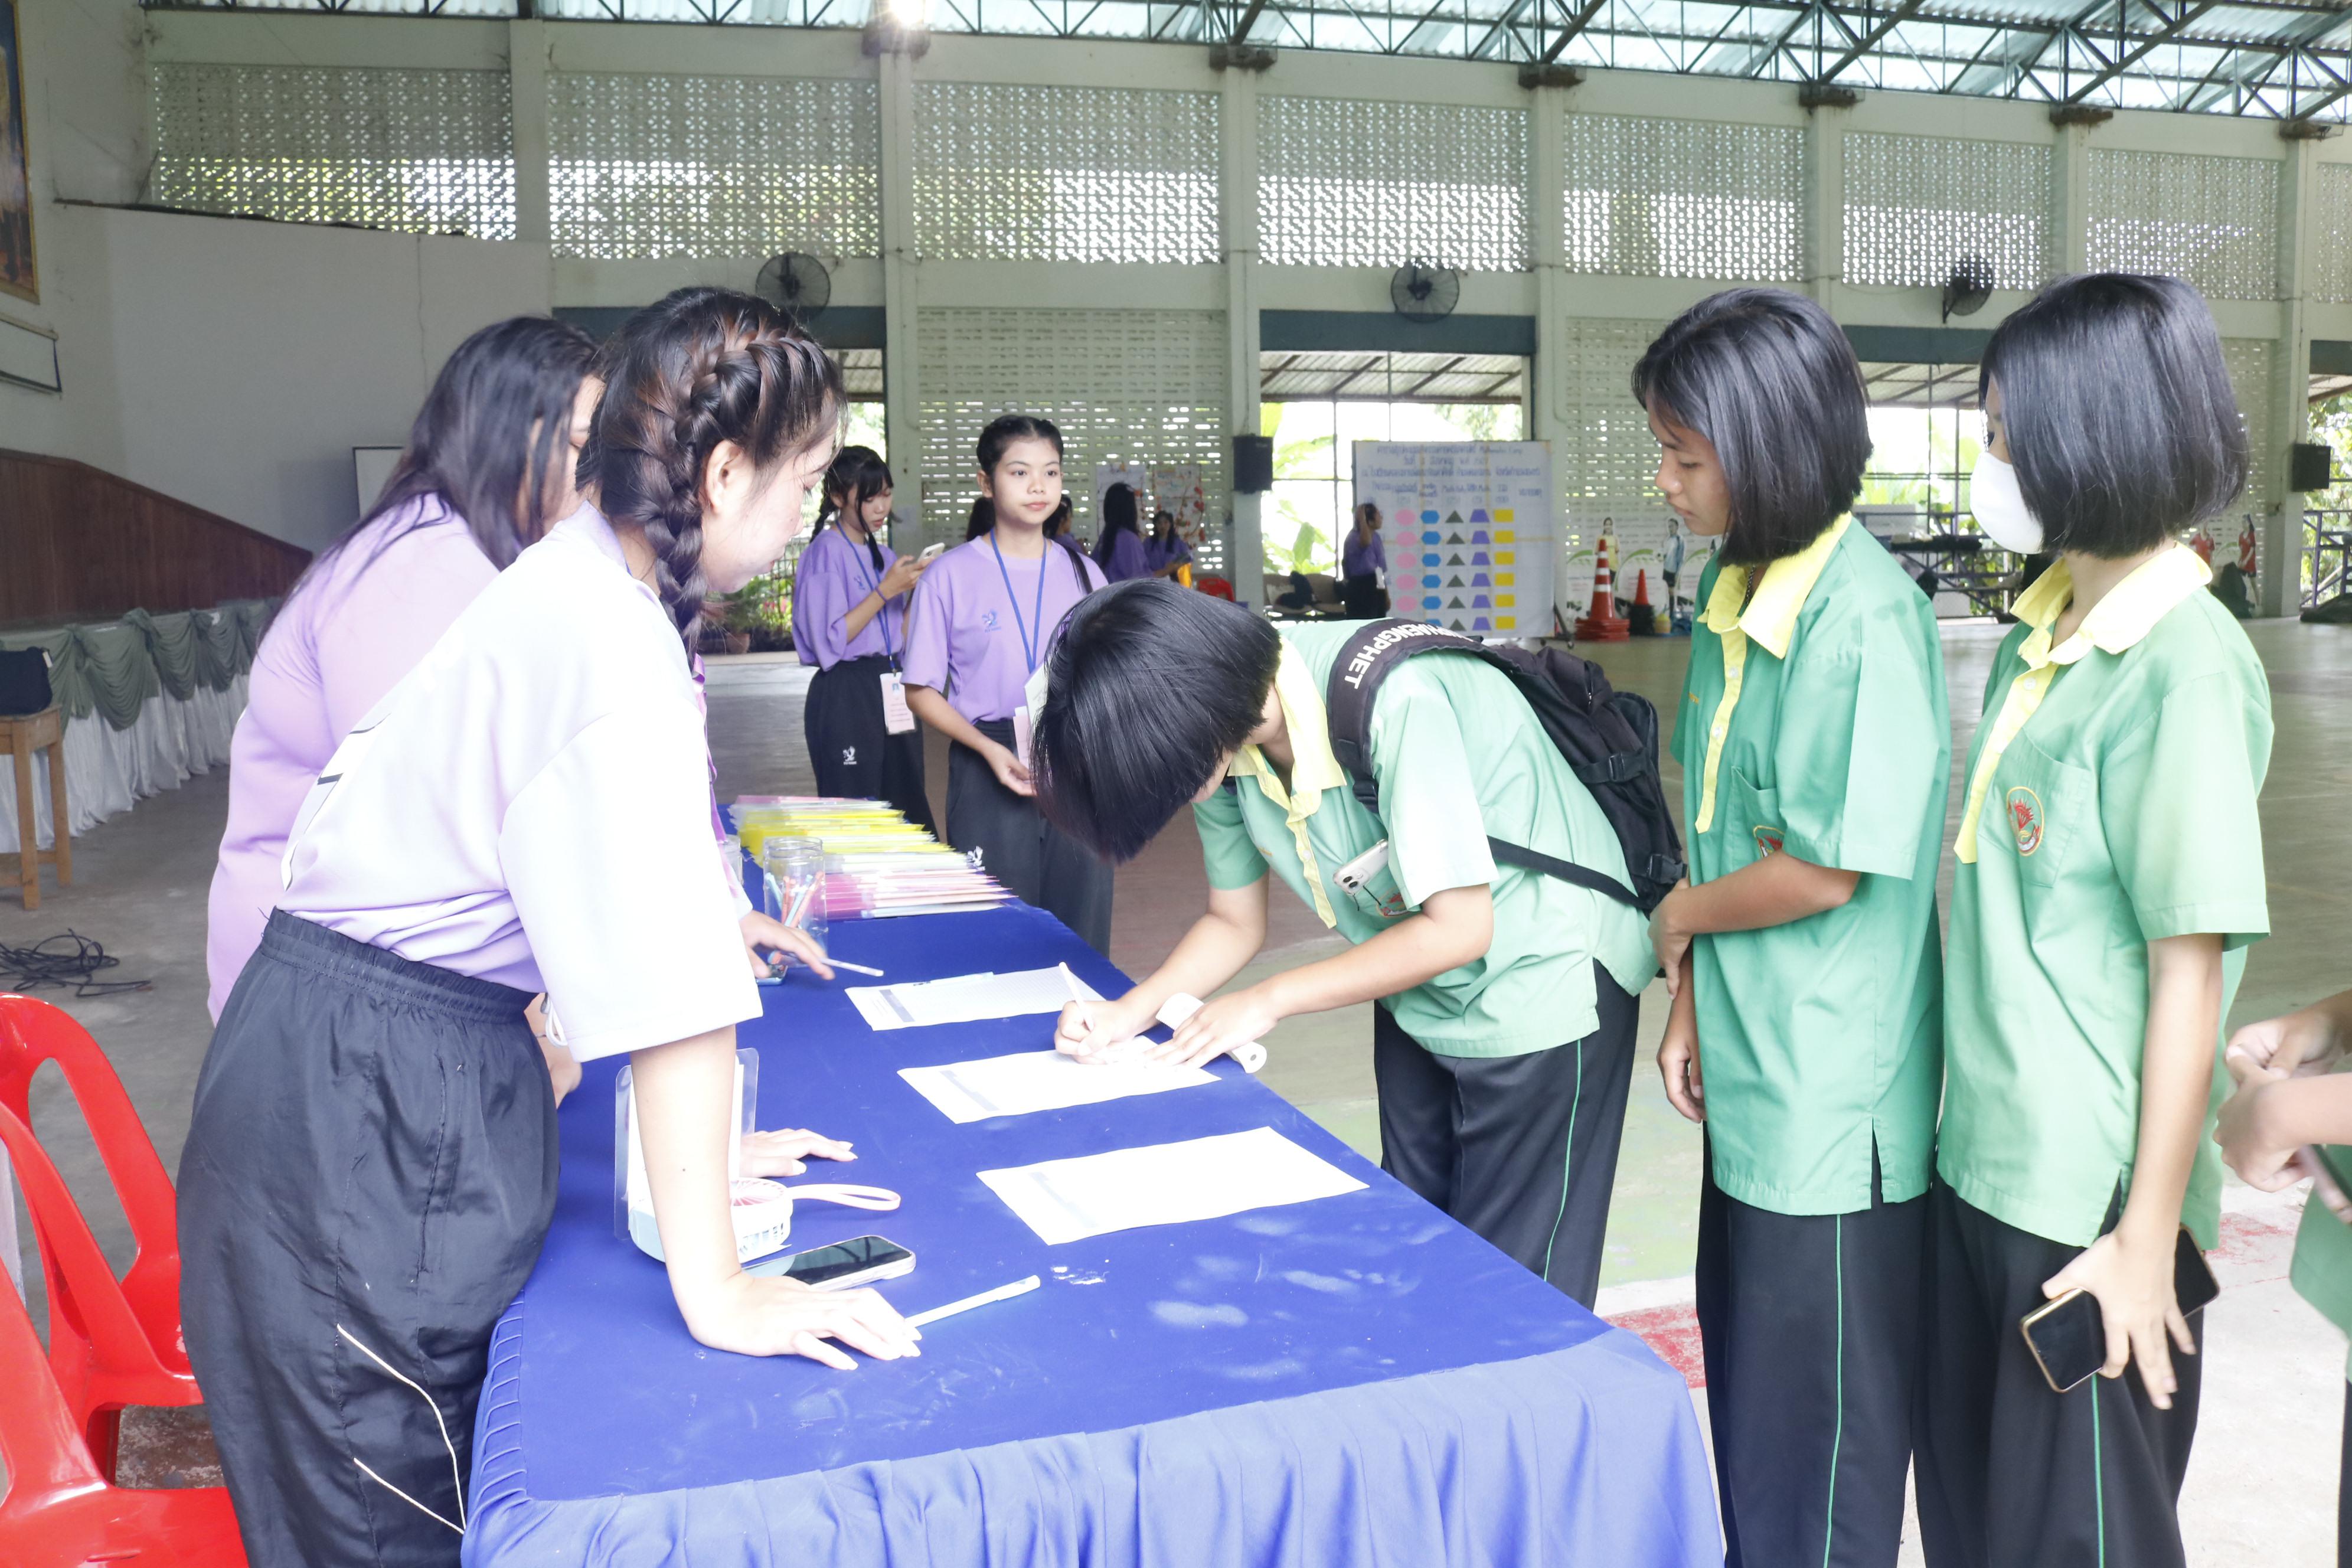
x=1811, y=1329
x=1521, y=1150
x=2010, y=1474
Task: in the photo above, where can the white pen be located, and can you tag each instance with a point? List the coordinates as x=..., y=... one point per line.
x=1071, y=980
x=1001, y=1293
x=833, y=963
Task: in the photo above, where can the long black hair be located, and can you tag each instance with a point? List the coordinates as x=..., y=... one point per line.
x=2116, y=403
x=1119, y=517
x=1000, y=433
x=857, y=475
x=982, y=519
x=490, y=440
x=1768, y=378
x=704, y=365
x=1148, y=690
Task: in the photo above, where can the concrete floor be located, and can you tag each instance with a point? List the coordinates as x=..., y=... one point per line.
x=2261, y=1486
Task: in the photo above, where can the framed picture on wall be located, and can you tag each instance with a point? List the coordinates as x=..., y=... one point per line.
x=17, y=272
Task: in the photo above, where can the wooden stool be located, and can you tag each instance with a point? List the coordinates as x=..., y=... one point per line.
x=21, y=738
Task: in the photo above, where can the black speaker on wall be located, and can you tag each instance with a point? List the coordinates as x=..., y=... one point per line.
x=2307, y=468
x=1253, y=464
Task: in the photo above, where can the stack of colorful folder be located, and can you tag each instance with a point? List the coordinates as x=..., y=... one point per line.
x=878, y=863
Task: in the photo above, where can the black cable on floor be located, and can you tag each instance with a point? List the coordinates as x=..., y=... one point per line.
x=70, y=959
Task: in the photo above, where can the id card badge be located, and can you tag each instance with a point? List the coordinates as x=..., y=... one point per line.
x=1025, y=718
x=897, y=719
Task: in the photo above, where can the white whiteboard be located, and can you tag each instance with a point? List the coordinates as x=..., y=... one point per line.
x=1470, y=532
x=371, y=466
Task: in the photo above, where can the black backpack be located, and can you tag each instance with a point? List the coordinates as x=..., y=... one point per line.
x=1608, y=738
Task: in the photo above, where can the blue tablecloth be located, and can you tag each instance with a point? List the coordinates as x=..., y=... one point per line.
x=1353, y=1380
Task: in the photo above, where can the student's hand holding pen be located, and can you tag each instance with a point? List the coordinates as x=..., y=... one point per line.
x=1090, y=1030
x=765, y=934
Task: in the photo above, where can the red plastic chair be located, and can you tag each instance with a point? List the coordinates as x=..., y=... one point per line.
x=60, y=1511
x=113, y=1342
x=1215, y=587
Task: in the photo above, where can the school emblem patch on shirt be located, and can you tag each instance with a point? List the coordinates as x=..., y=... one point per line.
x=2025, y=819
x=1768, y=841
x=988, y=620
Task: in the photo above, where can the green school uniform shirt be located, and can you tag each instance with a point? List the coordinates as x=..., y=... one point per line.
x=2322, y=1271
x=1814, y=724
x=2111, y=803
x=1458, y=755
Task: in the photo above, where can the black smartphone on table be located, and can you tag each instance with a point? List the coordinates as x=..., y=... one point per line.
x=2069, y=1337
x=862, y=1260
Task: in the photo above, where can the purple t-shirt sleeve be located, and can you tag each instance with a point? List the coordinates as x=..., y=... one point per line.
x=820, y=599
x=930, y=617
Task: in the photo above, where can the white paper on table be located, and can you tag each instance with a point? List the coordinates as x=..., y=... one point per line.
x=965, y=999
x=1166, y=1183
x=1024, y=1082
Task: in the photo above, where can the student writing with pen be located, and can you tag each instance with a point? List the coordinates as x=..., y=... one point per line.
x=1503, y=1033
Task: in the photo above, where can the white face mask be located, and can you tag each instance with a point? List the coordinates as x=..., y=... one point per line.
x=1999, y=506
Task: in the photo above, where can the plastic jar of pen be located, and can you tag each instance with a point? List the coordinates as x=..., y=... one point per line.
x=793, y=886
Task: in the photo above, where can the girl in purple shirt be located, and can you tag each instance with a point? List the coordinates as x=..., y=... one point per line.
x=1363, y=567
x=985, y=617
x=849, y=619
x=487, y=469
x=1166, y=553
x=371, y=1167
x=1120, y=552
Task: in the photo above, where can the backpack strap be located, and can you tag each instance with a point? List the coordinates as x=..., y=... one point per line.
x=1527, y=860
x=1365, y=660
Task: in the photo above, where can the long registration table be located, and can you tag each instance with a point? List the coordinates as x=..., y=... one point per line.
x=1356, y=1380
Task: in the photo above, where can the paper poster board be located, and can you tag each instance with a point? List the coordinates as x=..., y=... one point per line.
x=1173, y=488
x=18, y=275
x=1650, y=540
x=1469, y=531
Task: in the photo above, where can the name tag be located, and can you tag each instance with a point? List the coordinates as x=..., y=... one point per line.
x=897, y=717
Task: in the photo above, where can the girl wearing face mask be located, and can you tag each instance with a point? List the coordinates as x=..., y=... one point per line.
x=849, y=619
x=2110, y=876
x=1805, y=1030
x=985, y=619
x=370, y=1166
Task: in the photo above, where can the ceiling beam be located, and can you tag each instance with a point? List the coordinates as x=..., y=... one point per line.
x=1575, y=25
x=1869, y=40
x=2140, y=46
x=1433, y=375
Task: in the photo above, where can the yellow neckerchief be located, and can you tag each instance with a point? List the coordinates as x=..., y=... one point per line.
x=1313, y=768
x=1770, y=618
x=2116, y=623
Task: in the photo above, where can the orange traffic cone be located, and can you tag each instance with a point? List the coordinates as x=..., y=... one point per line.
x=1643, y=616
x=1602, y=623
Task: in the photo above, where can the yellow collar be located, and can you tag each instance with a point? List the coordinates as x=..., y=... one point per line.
x=1770, y=617
x=2116, y=623
x=1313, y=768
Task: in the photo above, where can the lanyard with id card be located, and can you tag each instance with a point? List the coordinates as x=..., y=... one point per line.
x=897, y=719
x=1033, y=633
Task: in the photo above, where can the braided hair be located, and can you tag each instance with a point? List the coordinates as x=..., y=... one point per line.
x=703, y=366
